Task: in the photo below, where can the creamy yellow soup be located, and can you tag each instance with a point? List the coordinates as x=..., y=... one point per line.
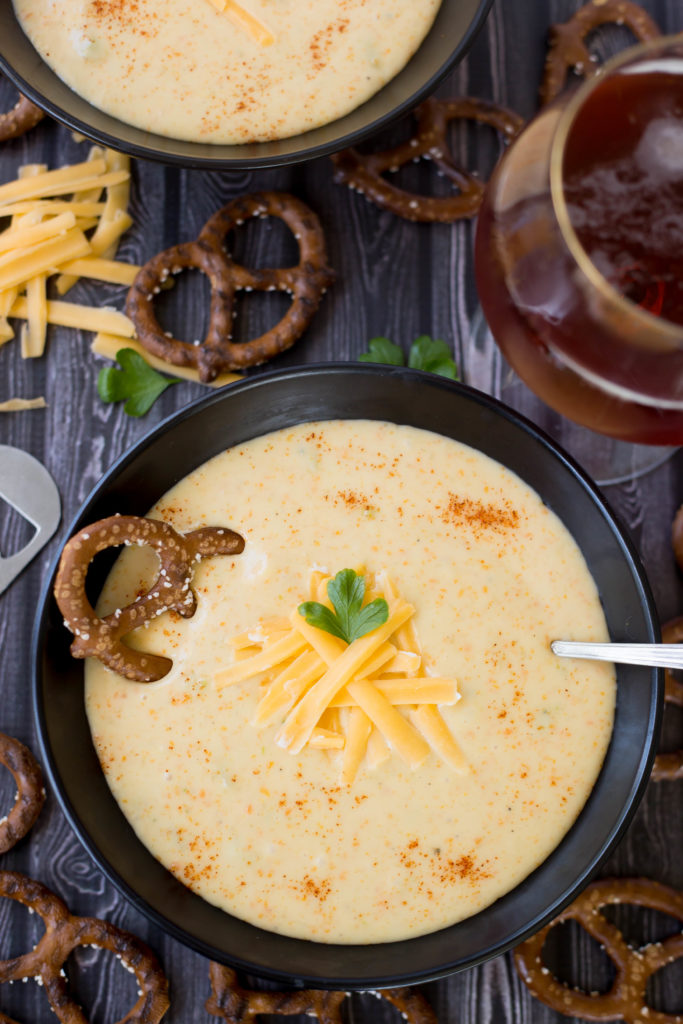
x=223, y=71
x=276, y=838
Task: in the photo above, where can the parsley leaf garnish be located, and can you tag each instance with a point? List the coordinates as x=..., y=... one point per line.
x=430, y=354
x=350, y=619
x=381, y=350
x=136, y=382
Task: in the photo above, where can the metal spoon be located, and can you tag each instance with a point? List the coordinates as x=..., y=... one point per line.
x=655, y=655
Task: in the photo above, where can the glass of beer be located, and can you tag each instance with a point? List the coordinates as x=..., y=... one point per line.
x=579, y=249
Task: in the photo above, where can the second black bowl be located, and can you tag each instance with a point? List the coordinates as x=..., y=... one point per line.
x=278, y=400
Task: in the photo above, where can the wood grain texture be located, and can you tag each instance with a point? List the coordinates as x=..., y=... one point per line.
x=396, y=279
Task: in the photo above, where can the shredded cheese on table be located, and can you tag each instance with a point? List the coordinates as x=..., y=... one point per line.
x=71, y=237
x=107, y=343
x=85, y=318
x=22, y=404
x=48, y=235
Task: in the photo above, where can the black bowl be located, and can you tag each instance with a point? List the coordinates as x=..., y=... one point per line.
x=452, y=34
x=270, y=402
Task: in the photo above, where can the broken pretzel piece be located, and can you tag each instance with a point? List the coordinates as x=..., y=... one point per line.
x=567, y=49
x=178, y=553
x=364, y=172
x=23, y=116
x=626, y=998
x=237, y=1005
x=64, y=933
x=30, y=797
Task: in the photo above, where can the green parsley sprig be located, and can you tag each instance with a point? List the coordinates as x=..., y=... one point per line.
x=350, y=618
x=136, y=382
x=430, y=354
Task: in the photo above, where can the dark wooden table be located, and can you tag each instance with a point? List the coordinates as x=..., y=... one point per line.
x=395, y=279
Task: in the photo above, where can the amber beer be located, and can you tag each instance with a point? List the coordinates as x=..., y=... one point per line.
x=579, y=250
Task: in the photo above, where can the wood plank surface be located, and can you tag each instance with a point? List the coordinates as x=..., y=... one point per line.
x=396, y=279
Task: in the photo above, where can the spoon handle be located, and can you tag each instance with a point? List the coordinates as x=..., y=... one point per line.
x=655, y=655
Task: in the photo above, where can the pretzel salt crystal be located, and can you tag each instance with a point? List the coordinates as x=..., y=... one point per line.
x=30, y=798
x=364, y=171
x=567, y=48
x=23, y=116
x=65, y=933
x=237, y=1005
x=178, y=553
x=626, y=998
x=306, y=283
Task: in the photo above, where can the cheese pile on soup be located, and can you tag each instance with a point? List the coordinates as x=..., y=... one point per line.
x=276, y=838
x=224, y=71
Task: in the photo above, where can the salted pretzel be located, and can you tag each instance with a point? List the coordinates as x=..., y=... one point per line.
x=30, y=797
x=237, y=1005
x=364, y=172
x=626, y=999
x=178, y=553
x=567, y=50
x=23, y=116
x=668, y=767
x=63, y=933
x=306, y=283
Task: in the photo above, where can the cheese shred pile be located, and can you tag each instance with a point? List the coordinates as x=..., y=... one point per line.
x=67, y=223
x=365, y=699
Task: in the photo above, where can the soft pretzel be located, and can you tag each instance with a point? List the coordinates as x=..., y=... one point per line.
x=63, y=933
x=567, y=49
x=237, y=1005
x=23, y=116
x=306, y=283
x=30, y=797
x=626, y=999
x=178, y=553
x=364, y=171
x=670, y=766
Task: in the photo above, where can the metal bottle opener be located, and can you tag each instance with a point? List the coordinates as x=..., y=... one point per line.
x=27, y=486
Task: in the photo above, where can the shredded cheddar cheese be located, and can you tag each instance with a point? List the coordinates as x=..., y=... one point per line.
x=244, y=20
x=47, y=235
x=22, y=404
x=85, y=318
x=18, y=267
x=34, y=331
x=364, y=699
x=356, y=741
x=68, y=222
x=111, y=271
x=107, y=343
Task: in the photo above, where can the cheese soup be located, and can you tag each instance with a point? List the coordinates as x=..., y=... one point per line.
x=223, y=71
x=280, y=839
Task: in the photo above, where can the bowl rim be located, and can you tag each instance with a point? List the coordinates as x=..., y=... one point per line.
x=351, y=981
x=204, y=159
